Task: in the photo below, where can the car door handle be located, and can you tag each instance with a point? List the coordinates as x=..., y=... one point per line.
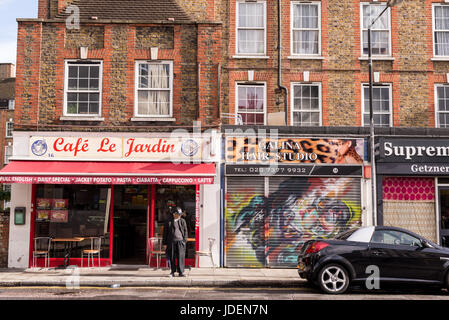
x=377, y=252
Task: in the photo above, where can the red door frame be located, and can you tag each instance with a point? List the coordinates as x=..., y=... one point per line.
x=151, y=209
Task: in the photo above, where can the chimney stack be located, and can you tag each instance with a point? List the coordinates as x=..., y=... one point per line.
x=7, y=70
x=48, y=9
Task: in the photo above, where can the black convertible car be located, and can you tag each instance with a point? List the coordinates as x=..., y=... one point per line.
x=387, y=253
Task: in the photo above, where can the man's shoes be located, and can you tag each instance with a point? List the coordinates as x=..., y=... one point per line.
x=182, y=275
x=171, y=275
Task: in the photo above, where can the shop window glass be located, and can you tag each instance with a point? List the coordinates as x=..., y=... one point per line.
x=65, y=211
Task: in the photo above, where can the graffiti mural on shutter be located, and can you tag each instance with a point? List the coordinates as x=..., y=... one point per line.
x=244, y=222
x=272, y=229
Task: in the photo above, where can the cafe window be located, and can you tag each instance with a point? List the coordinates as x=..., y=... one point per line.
x=73, y=211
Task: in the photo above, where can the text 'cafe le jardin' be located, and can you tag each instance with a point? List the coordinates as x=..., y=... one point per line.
x=117, y=188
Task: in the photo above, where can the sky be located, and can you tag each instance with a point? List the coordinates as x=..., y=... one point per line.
x=10, y=10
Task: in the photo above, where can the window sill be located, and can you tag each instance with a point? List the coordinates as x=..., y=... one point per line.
x=153, y=119
x=250, y=57
x=378, y=58
x=78, y=118
x=439, y=59
x=306, y=57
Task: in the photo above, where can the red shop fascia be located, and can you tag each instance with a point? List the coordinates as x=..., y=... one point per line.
x=144, y=168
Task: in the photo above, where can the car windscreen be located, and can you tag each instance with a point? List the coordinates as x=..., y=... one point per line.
x=345, y=235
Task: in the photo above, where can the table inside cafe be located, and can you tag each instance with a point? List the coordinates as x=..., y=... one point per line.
x=68, y=246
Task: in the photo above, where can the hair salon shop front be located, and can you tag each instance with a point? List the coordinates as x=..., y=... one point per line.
x=73, y=187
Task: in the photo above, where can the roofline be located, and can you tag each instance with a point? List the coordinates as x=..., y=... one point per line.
x=119, y=21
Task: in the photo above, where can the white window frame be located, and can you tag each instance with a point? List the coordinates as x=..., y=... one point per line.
x=390, y=111
x=434, y=5
x=437, y=119
x=388, y=12
x=292, y=102
x=292, y=29
x=238, y=2
x=256, y=84
x=100, y=88
x=6, y=158
x=8, y=129
x=11, y=104
x=136, y=89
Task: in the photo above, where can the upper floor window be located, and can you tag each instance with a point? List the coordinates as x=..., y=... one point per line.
x=154, y=89
x=441, y=30
x=251, y=22
x=83, y=88
x=11, y=104
x=9, y=129
x=306, y=28
x=442, y=106
x=8, y=154
x=380, y=31
x=251, y=104
x=382, y=105
x=306, y=106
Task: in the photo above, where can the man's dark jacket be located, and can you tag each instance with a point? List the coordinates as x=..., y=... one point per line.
x=169, y=231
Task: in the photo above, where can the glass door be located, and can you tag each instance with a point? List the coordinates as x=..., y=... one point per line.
x=444, y=216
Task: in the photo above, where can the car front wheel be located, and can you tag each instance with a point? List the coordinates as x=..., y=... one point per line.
x=333, y=279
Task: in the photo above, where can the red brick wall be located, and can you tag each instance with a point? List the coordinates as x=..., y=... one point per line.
x=40, y=77
x=341, y=73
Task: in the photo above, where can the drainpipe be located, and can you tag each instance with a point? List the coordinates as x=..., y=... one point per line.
x=281, y=87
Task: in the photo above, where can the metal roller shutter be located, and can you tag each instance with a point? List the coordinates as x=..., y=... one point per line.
x=244, y=215
x=267, y=231
x=299, y=209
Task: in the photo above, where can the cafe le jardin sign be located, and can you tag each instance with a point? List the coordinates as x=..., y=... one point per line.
x=116, y=148
x=294, y=156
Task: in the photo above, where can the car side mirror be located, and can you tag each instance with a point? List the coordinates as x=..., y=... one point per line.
x=426, y=244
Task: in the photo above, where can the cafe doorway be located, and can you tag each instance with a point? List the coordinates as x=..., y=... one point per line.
x=140, y=212
x=130, y=224
x=169, y=197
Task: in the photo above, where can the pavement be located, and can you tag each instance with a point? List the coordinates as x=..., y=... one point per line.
x=143, y=276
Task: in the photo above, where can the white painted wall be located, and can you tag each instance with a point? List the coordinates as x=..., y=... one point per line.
x=19, y=236
x=210, y=223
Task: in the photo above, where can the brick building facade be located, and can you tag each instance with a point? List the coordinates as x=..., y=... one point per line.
x=221, y=62
x=118, y=41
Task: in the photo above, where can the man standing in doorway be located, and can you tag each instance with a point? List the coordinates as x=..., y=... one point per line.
x=175, y=237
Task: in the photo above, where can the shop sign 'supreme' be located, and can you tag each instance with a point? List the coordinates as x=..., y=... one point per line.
x=413, y=156
x=116, y=148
